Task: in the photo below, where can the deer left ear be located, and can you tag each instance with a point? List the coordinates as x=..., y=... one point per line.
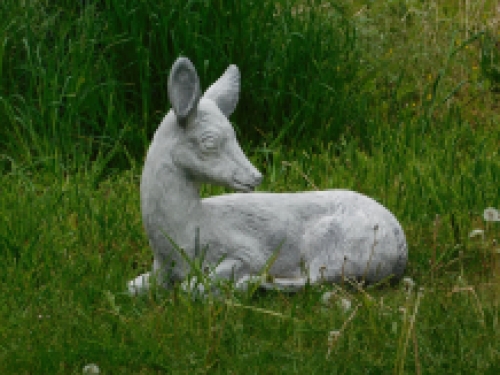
x=183, y=89
x=225, y=91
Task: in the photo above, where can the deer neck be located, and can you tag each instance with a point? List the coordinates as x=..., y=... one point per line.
x=170, y=200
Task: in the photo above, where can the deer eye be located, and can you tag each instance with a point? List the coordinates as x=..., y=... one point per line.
x=210, y=143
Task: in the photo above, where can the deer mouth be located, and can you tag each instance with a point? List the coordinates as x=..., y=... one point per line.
x=248, y=184
x=242, y=187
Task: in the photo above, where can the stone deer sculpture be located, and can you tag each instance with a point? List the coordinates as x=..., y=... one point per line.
x=321, y=235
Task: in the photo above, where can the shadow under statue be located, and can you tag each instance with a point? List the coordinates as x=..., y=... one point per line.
x=321, y=235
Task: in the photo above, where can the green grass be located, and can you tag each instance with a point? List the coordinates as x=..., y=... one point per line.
x=409, y=118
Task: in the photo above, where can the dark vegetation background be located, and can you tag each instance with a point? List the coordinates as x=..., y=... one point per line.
x=84, y=75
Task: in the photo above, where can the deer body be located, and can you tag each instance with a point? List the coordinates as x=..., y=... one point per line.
x=323, y=235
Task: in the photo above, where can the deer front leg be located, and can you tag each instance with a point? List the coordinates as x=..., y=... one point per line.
x=228, y=269
x=234, y=269
x=140, y=284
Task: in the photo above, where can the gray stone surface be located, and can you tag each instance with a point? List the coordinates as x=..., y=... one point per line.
x=324, y=235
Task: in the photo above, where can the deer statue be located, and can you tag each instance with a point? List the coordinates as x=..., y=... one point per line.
x=314, y=236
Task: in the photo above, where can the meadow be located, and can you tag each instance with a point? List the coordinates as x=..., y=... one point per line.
x=396, y=99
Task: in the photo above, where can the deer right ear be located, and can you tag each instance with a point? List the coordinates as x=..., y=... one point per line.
x=226, y=90
x=183, y=89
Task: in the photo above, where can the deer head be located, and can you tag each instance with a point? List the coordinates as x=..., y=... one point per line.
x=204, y=146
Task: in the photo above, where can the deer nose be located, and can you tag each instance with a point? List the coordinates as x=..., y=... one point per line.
x=257, y=177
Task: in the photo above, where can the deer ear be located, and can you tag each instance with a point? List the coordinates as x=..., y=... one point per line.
x=183, y=89
x=225, y=91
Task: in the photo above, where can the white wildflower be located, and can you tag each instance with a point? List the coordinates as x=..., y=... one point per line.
x=345, y=304
x=491, y=214
x=409, y=284
x=91, y=369
x=332, y=339
x=477, y=233
x=326, y=297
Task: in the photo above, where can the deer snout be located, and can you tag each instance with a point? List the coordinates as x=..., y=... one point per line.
x=247, y=180
x=257, y=178
x=255, y=175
